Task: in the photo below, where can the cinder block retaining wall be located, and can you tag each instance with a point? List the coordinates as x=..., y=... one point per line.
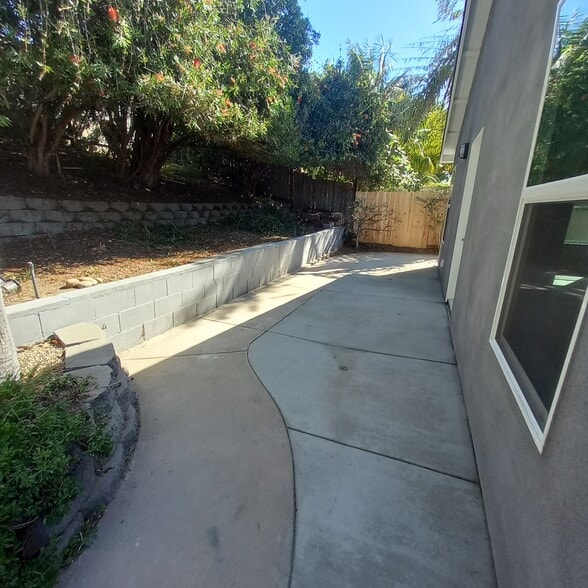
x=31, y=217
x=133, y=310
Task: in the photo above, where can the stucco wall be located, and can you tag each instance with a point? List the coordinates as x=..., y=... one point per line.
x=31, y=217
x=133, y=310
x=537, y=505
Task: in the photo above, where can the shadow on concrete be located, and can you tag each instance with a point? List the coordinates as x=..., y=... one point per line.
x=365, y=407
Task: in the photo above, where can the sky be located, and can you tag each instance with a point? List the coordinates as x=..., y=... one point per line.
x=403, y=22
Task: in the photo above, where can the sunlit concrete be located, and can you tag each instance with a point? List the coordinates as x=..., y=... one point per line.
x=347, y=368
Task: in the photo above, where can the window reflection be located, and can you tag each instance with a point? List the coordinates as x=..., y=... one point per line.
x=545, y=298
x=561, y=150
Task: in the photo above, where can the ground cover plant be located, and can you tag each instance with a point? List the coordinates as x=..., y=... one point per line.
x=42, y=422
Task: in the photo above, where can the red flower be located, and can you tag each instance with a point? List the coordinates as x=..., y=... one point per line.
x=113, y=14
x=75, y=59
x=299, y=99
x=253, y=45
x=197, y=63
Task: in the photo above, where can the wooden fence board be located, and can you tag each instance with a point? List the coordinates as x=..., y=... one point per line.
x=412, y=225
x=305, y=193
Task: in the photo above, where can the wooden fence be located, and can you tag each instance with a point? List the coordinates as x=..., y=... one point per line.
x=403, y=219
x=305, y=193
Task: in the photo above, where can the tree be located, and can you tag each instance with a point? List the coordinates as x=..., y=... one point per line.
x=9, y=366
x=290, y=24
x=155, y=74
x=423, y=149
x=560, y=150
x=343, y=115
x=50, y=68
x=212, y=77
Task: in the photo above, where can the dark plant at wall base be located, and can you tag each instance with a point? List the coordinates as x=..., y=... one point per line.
x=41, y=421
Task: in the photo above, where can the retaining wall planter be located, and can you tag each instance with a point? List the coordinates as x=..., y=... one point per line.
x=33, y=217
x=111, y=401
x=136, y=309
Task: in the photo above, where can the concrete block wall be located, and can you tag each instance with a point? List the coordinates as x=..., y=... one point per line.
x=32, y=217
x=135, y=309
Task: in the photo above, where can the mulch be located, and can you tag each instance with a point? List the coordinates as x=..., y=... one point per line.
x=104, y=255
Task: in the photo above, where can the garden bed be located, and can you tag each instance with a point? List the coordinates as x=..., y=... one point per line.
x=114, y=255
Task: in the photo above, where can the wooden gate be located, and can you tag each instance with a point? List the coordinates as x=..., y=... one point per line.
x=413, y=219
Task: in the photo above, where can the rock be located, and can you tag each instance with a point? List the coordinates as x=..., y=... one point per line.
x=72, y=205
x=88, y=217
x=79, y=333
x=72, y=529
x=120, y=206
x=88, y=354
x=72, y=283
x=99, y=280
x=110, y=478
x=41, y=204
x=86, y=283
x=97, y=206
x=101, y=376
x=89, y=279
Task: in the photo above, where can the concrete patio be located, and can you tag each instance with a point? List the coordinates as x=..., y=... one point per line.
x=310, y=434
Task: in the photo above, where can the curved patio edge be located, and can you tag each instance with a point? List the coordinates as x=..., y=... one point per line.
x=208, y=500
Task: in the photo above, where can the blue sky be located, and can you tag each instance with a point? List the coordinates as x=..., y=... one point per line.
x=404, y=22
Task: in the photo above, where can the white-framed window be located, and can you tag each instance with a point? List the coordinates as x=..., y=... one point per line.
x=544, y=292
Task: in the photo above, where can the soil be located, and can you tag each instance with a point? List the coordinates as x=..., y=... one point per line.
x=47, y=355
x=377, y=248
x=105, y=255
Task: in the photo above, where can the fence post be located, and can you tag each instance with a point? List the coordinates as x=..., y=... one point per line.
x=291, y=186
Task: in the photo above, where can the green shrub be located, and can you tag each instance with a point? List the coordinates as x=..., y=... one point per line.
x=41, y=422
x=268, y=219
x=155, y=236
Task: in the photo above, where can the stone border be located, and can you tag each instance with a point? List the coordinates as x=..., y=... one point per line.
x=133, y=310
x=34, y=217
x=110, y=401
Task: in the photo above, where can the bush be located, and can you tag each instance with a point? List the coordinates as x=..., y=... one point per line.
x=268, y=219
x=41, y=422
x=155, y=236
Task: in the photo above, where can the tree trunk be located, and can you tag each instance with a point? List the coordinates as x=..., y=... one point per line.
x=9, y=366
x=151, y=147
x=46, y=129
x=118, y=135
x=38, y=160
x=252, y=177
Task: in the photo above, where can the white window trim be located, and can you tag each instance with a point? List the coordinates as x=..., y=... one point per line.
x=570, y=189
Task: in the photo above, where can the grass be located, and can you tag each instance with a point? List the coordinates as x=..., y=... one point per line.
x=41, y=422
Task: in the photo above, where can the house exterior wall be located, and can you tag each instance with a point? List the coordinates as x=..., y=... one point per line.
x=537, y=504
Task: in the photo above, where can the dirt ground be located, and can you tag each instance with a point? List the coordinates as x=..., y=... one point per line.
x=377, y=248
x=102, y=254
x=47, y=355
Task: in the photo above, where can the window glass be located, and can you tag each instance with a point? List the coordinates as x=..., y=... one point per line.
x=561, y=149
x=546, y=293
